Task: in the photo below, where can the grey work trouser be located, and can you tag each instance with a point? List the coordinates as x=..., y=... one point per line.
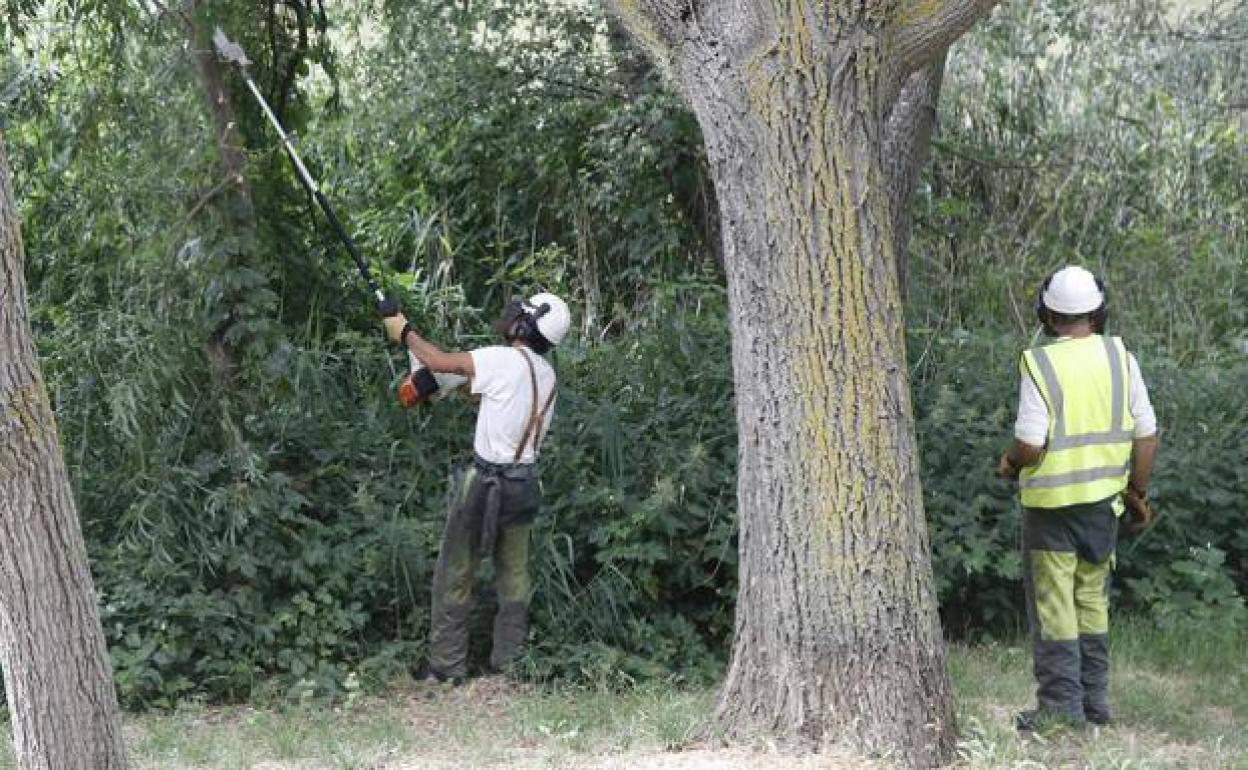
x=469, y=502
x=1067, y=561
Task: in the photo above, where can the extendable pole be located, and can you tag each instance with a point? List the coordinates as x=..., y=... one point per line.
x=234, y=53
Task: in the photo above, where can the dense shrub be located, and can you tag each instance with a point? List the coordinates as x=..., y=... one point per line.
x=273, y=528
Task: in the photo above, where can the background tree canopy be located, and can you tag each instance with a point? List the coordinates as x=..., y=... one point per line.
x=261, y=513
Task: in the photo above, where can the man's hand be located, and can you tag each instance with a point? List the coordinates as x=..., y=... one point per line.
x=1019, y=455
x=395, y=325
x=1138, y=509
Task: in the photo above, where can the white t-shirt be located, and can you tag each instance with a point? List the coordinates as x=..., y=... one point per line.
x=501, y=378
x=1032, y=425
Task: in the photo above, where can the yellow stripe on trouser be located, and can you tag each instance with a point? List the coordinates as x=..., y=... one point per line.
x=1071, y=595
x=1068, y=555
x=1092, y=597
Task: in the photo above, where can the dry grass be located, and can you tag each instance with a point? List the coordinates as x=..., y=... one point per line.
x=1181, y=698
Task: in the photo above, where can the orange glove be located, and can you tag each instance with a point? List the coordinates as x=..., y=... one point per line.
x=1140, y=512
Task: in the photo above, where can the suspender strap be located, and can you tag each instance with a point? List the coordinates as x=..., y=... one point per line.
x=536, y=419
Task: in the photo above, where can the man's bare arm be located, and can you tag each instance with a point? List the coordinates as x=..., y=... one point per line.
x=429, y=354
x=437, y=359
x=1143, y=453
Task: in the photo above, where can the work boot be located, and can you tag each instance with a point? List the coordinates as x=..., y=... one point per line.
x=1100, y=717
x=1044, y=720
x=1094, y=660
x=432, y=676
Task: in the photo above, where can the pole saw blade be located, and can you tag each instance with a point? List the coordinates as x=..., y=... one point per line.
x=229, y=50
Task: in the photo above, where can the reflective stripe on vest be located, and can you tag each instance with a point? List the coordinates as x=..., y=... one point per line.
x=1087, y=455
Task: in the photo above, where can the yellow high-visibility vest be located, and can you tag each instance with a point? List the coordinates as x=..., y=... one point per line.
x=1087, y=455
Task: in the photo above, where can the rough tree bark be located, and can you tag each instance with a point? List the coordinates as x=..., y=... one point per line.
x=837, y=633
x=907, y=146
x=57, y=677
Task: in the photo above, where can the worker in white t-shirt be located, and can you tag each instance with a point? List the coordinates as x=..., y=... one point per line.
x=492, y=502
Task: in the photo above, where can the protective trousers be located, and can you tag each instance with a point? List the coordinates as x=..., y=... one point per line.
x=1067, y=558
x=473, y=501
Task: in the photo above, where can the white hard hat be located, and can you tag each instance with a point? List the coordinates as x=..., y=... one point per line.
x=1073, y=291
x=554, y=323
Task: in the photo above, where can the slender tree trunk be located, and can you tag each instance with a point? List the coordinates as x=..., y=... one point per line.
x=57, y=676
x=837, y=633
x=235, y=202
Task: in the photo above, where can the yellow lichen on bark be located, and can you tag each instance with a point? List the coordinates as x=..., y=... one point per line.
x=916, y=11
x=637, y=21
x=796, y=39
x=27, y=403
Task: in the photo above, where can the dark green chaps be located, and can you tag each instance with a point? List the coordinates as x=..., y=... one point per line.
x=473, y=519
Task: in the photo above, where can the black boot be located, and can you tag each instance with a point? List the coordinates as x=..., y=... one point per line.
x=1094, y=663
x=1044, y=720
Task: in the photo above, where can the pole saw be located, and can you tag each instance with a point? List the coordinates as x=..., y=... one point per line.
x=420, y=384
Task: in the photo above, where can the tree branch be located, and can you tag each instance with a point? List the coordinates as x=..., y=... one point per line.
x=907, y=146
x=927, y=28
x=658, y=26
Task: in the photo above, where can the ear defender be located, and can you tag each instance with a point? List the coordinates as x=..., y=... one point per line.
x=528, y=322
x=1100, y=316
x=519, y=321
x=1042, y=312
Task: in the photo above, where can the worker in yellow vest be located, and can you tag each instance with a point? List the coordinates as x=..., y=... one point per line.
x=1083, y=450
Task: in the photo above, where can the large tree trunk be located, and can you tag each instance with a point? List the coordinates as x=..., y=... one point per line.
x=837, y=633
x=57, y=678
x=837, y=627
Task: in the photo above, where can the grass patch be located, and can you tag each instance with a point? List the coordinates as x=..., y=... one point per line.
x=1180, y=696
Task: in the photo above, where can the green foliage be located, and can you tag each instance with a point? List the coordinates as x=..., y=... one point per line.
x=265, y=522
x=510, y=134
x=964, y=413
x=1094, y=133
x=638, y=547
x=1191, y=591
